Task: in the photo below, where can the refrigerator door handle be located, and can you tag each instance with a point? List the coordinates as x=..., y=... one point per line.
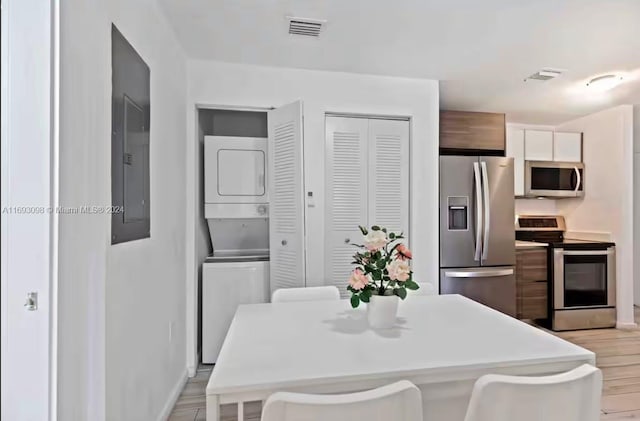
x=479, y=274
x=478, y=246
x=487, y=212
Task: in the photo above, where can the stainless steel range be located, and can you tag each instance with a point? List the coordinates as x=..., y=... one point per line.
x=582, y=274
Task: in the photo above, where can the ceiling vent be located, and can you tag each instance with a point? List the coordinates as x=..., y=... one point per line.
x=545, y=74
x=305, y=26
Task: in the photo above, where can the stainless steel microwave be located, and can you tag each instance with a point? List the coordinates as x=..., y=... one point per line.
x=554, y=179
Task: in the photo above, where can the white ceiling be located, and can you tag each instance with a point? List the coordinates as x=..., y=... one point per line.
x=481, y=50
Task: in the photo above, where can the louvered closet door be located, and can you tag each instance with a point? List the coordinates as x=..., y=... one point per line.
x=389, y=175
x=346, y=195
x=286, y=215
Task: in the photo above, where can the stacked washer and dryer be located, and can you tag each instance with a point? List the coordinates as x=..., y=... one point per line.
x=237, y=211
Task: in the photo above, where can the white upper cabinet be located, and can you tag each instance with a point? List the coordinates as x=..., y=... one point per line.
x=567, y=147
x=538, y=145
x=286, y=223
x=515, y=150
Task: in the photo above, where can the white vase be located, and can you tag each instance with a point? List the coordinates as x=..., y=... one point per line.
x=382, y=311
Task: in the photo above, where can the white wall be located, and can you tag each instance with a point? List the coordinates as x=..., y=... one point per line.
x=536, y=207
x=608, y=200
x=118, y=303
x=215, y=83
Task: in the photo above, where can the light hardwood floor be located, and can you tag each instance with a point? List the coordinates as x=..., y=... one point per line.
x=617, y=351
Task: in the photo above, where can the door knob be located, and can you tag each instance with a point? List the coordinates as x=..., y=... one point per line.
x=284, y=242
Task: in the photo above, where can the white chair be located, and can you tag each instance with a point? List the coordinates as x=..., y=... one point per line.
x=326, y=293
x=571, y=396
x=401, y=401
x=426, y=288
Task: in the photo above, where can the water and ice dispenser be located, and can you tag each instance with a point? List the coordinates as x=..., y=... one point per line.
x=458, y=213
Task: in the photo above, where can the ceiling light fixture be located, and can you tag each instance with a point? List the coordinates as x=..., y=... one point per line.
x=605, y=82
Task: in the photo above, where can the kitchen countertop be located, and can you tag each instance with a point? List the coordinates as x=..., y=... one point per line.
x=523, y=245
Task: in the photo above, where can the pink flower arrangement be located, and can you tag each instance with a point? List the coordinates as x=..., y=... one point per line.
x=382, y=267
x=358, y=279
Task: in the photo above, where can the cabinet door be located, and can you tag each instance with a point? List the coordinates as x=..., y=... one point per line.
x=286, y=224
x=538, y=145
x=471, y=130
x=346, y=195
x=515, y=150
x=388, y=175
x=567, y=147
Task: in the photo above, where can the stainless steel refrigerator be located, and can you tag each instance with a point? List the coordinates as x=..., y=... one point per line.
x=477, y=236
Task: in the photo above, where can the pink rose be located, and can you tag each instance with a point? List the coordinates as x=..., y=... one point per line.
x=358, y=279
x=399, y=270
x=404, y=252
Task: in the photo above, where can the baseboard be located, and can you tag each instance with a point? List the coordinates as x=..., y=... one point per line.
x=173, y=397
x=626, y=325
x=191, y=371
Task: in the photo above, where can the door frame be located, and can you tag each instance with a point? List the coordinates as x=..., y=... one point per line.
x=192, y=268
x=19, y=17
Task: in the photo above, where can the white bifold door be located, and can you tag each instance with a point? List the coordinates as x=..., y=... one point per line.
x=286, y=192
x=367, y=179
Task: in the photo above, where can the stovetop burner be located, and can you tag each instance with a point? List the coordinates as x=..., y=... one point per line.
x=550, y=230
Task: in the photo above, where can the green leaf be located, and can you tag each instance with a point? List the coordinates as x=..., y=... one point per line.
x=376, y=275
x=381, y=263
x=392, y=235
x=409, y=284
x=365, y=295
x=384, y=230
x=400, y=292
x=355, y=301
x=375, y=228
x=363, y=230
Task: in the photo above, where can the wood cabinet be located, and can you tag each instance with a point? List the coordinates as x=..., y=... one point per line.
x=462, y=130
x=567, y=147
x=538, y=145
x=531, y=283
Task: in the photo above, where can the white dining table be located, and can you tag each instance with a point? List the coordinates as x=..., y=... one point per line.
x=443, y=344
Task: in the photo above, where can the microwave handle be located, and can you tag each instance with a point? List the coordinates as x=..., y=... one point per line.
x=578, y=180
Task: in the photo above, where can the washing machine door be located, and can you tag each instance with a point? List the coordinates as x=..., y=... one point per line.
x=235, y=169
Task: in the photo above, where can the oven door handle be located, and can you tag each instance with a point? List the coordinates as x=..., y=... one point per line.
x=587, y=252
x=578, y=180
